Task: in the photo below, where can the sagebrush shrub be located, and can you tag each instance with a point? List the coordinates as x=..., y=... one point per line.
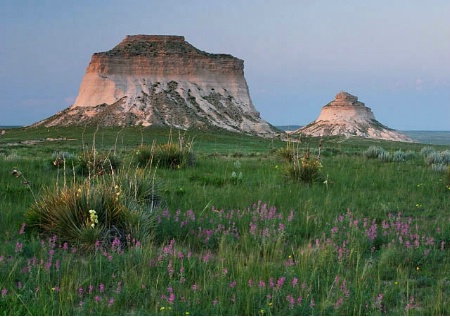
x=433, y=158
x=439, y=167
x=426, y=150
x=385, y=156
x=399, y=156
x=445, y=157
x=373, y=151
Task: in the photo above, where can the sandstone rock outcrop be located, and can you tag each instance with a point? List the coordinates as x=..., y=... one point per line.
x=163, y=80
x=347, y=116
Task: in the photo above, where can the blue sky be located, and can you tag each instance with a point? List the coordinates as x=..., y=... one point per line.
x=393, y=54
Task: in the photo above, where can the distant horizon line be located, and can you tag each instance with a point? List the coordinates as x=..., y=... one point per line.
x=294, y=126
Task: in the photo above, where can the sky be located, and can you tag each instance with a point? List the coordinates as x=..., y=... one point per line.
x=393, y=54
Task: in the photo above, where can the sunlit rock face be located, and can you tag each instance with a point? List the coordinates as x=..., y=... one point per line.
x=163, y=80
x=347, y=116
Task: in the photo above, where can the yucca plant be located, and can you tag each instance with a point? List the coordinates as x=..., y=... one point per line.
x=286, y=153
x=305, y=169
x=96, y=212
x=167, y=155
x=289, y=152
x=96, y=163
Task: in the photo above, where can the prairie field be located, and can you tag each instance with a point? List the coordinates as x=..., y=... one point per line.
x=153, y=221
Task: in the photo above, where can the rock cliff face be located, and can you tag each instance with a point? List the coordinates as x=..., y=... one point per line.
x=347, y=116
x=163, y=80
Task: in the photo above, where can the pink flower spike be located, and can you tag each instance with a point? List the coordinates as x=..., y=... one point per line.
x=22, y=229
x=171, y=298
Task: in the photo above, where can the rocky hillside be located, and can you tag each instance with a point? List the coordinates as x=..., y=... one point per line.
x=347, y=116
x=163, y=80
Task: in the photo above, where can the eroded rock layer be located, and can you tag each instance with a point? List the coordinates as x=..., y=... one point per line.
x=163, y=80
x=347, y=116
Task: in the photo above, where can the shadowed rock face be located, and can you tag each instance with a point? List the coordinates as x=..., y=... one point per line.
x=163, y=80
x=347, y=116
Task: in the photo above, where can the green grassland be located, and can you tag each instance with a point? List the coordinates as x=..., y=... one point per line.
x=232, y=233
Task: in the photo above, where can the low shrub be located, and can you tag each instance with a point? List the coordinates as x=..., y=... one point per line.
x=439, y=167
x=445, y=156
x=373, y=151
x=426, y=150
x=399, y=156
x=438, y=158
x=385, y=156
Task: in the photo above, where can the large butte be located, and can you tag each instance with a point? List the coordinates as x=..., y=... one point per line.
x=163, y=80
